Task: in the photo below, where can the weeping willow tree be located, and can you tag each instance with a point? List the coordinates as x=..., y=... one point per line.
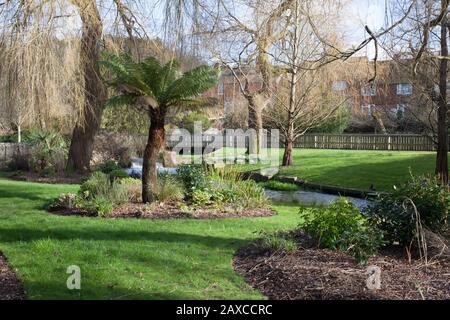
x=39, y=75
x=50, y=54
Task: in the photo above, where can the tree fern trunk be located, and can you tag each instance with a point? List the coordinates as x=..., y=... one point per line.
x=154, y=143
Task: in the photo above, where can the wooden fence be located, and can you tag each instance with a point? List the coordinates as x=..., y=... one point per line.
x=395, y=142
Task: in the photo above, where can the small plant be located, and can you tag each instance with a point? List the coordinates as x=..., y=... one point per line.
x=133, y=188
x=201, y=197
x=279, y=243
x=395, y=213
x=250, y=194
x=342, y=227
x=169, y=189
x=280, y=186
x=100, y=205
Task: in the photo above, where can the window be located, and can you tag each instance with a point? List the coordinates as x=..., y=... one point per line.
x=400, y=111
x=367, y=109
x=339, y=85
x=369, y=91
x=404, y=89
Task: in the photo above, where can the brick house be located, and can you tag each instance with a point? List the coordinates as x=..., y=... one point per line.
x=390, y=96
x=228, y=92
x=391, y=93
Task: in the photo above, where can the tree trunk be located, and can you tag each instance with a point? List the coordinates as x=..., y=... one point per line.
x=287, y=157
x=19, y=133
x=442, y=131
x=293, y=99
x=154, y=143
x=255, y=122
x=88, y=124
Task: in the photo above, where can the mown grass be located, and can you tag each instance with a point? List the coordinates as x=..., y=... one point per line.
x=355, y=169
x=124, y=259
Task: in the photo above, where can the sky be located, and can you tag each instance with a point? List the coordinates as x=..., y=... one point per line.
x=360, y=13
x=357, y=14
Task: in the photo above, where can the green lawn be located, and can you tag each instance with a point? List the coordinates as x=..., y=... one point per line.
x=124, y=259
x=357, y=169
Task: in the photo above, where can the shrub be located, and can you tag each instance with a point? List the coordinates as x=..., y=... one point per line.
x=342, y=227
x=169, y=189
x=108, y=167
x=193, y=177
x=189, y=120
x=133, y=188
x=99, y=189
x=64, y=201
x=118, y=174
x=48, y=150
x=228, y=188
x=395, y=214
x=19, y=163
x=220, y=187
x=98, y=183
x=280, y=186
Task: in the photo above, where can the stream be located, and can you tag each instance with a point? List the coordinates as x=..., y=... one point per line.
x=308, y=198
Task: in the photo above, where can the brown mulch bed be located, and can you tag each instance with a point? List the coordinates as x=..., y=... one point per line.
x=171, y=211
x=10, y=287
x=34, y=177
x=310, y=273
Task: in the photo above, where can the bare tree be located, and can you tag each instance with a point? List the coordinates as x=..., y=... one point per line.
x=424, y=32
x=251, y=63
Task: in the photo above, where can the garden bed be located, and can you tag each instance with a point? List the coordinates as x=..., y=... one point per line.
x=171, y=211
x=10, y=287
x=35, y=177
x=309, y=273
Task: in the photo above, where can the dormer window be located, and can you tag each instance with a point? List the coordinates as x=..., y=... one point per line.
x=369, y=91
x=404, y=89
